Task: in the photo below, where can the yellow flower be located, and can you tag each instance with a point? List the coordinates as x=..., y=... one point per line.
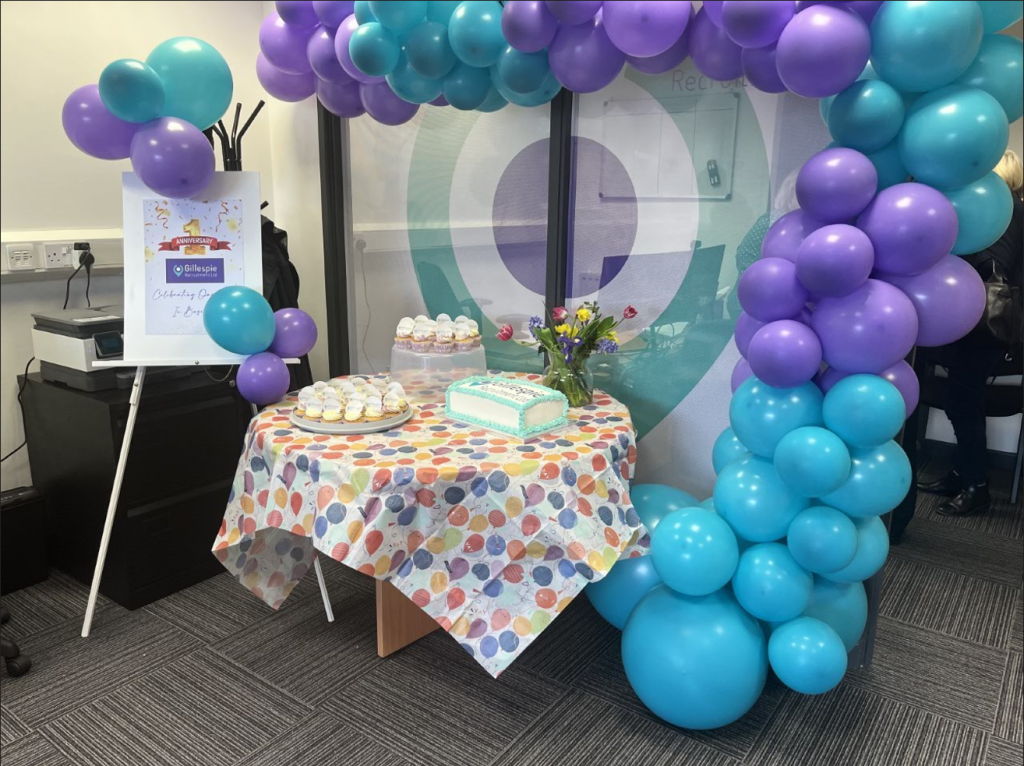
x=583, y=313
x=612, y=336
x=563, y=329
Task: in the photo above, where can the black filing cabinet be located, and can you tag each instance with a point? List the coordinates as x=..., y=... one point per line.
x=188, y=436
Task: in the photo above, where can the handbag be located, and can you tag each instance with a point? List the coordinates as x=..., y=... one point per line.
x=1002, y=319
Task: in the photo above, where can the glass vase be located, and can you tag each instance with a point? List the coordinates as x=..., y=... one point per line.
x=571, y=378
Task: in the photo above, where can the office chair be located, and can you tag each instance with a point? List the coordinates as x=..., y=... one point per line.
x=17, y=663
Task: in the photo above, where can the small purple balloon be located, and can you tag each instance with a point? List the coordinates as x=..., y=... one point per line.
x=381, y=103
x=284, y=45
x=91, y=127
x=572, y=12
x=869, y=330
x=583, y=58
x=341, y=39
x=785, y=353
x=835, y=260
x=320, y=51
x=912, y=227
x=172, y=157
x=740, y=373
x=342, y=99
x=713, y=8
x=769, y=290
x=333, y=12
x=746, y=326
x=949, y=299
x=528, y=25
x=759, y=67
x=901, y=375
x=263, y=378
x=670, y=59
x=785, y=236
x=645, y=28
x=713, y=53
x=439, y=101
x=822, y=51
x=281, y=85
x=755, y=24
x=834, y=186
x=298, y=13
x=294, y=334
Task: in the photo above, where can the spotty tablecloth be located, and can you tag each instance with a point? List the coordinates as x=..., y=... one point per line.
x=491, y=537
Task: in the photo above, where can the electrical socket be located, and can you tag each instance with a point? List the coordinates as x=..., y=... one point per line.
x=58, y=255
x=20, y=257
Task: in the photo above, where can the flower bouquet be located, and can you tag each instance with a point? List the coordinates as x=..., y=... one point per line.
x=569, y=342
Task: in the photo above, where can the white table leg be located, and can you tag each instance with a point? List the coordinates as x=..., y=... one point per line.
x=323, y=588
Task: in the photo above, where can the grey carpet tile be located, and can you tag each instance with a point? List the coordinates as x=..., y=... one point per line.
x=582, y=730
x=33, y=750
x=975, y=610
x=299, y=651
x=1010, y=718
x=966, y=551
x=943, y=675
x=1016, y=637
x=1004, y=519
x=853, y=727
x=323, y=740
x=11, y=728
x=433, y=704
x=69, y=671
x=199, y=710
x=57, y=599
x=1003, y=753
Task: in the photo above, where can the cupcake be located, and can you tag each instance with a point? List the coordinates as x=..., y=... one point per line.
x=318, y=387
x=314, y=410
x=347, y=389
x=443, y=340
x=403, y=333
x=463, y=341
x=399, y=392
x=374, y=408
x=442, y=318
x=353, y=411
x=421, y=318
x=461, y=318
x=300, y=406
x=422, y=337
x=332, y=411
x=392, y=403
x=474, y=333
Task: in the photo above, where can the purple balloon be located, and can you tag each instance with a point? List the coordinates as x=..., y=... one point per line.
x=866, y=9
x=713, y=53
x=670, y=59
x=769, y=290
x=263, y=378
x=341, y=39
x=284, y=45
x=172, y=157
x=571, y=12
x=834, y=186
x=740, y=373
x=949, y=299
x=901, y=375
x=528, y=25
x=381, y=103
x=746, y=326
x=868, y=330
x=785, y=353
x=835, y=260
x=91, y=127
x=713, y=8
x=281, y=85
x=333, y=12
x=912, y=228
x=755, y=24
x=295, y=332
x=759, y=67
x=822, y=51
x=785, y=236
x=583, y=58
x=298, y=13
x=645, y=28
x=342, y=99
x=439, y=101
x=320, y=51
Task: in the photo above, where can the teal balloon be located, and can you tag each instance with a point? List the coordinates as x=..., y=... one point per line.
x=409, y=85
x=493, y=102
x=653, y=502
x=889, y=166
x=866, y=116
x=825, y=104
x=822, y=539
x=523, y=72
x=441, y=10
x=841, y=606
x=727, y=449
x=879, y=479
x=757, y=503
x=196, y=78
x=616, y=594
x=132, y=90
x=983, y=211
x=760, y=415
x=864, y=410
x=769, y=583
x=428, y=50
x=699, y=662
x=953, y=137
x=239, y=320
x=362, y=11
x=921, y=46
x=694, y=551
x=466, y=87
x=872, y=550
x=812, y=460
x=399, y=15
x=374, y=49
x=807, y=655
x=999, y=14
x=998, y=70
x=547, y=91
x=475, y=32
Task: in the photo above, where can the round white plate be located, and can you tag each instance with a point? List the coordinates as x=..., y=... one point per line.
x=342, y=428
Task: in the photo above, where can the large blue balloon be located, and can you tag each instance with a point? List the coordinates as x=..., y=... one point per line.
x=362, y=11
x=983, y=211
x=889, y=165
x=475, y=32
x=879, y=479
x=822, y=539
x=493, y=102
x=812, y=460
x=409, y=85
x=547, y=91
x=997, y=70
x=615, y=594
x=769, y=583
x=699, y=662
x=866, y=116
x=240, y=320
x=132, y=90
x=197, y=80
x=761, y=415
x=727, y=449
x=695, y=551
x=374, y=49
x=653, y=502
x=864, y=411
x=399, y=15
x=522, y=72
x=999, y=14
x=841, y=606
x=872, y=550
x=428, y=50
x=756, y=502
x=466, y=87
x=807, y=655
x=441, y=10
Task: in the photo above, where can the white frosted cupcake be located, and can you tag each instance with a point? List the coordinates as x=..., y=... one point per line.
x=374, y=408
x=353, y=411
x=319, y=386
x=332, y=411
x=461, y=318
x=442, y=318
x=403, y=333
x=421, y=318
x=463, y=341
x=444, y=340
x=474, y=333
x=314, y=410
x=422, y=337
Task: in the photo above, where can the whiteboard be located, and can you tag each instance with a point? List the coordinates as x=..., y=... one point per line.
x=178, y=252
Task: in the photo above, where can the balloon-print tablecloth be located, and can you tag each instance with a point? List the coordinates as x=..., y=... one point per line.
x=492, y=537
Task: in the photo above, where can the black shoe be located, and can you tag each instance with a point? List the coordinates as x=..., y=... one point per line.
x=948, y=486
x=972, y=500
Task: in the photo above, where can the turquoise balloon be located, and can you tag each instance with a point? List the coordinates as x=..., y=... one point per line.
x=822, y=539
x=812, y=461
x=983, y=211
x=428, y=50
x=699, y=662
x=398, y=15
x=825, y=104
x=409, y=85
x=239, y=320
x=362, y=12
x=757, y=503
x=374, y=49
x=769, y=583
x=807, y=655
x=522, y=72
x=866, y=116
x=493, y=102
x=475, y=32
x=616, y=594
x=547, y=91
x=132, y=90
x=761, y=415
x=727, y=449
x=953, y=137
x=441, y=10
x=841, y=606
x=653, y=502
x=889, y=166
x=872, y=550
x=879, y=479
x=864, y=410
x=466, y=87
x=999, y=14
x=196, y=78
x=921, y=46
x=694, y=551
x=998, y=71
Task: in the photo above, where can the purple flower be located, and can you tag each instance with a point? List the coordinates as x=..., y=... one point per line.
x=536, y=323
x=607, y=346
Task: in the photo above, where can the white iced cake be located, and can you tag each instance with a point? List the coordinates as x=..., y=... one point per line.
x=515, y=407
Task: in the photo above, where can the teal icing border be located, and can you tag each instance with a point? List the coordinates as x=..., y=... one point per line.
x=522, y=432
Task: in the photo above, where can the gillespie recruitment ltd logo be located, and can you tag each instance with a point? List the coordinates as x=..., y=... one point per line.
x=195, y=270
